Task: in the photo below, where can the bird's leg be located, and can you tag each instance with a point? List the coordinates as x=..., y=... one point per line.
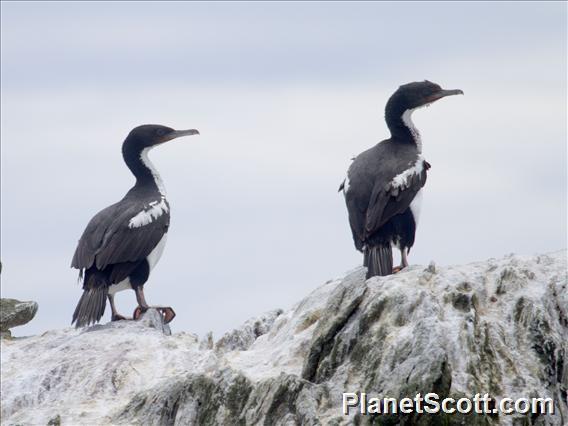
x=403, y=258
x=141, y=299
x=115, y=315
x=142, y=305
x=168, y=313
x=403, y=261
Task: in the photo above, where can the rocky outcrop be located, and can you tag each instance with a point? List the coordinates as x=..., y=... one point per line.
x=14, y=313
x=243, y=337
x=498, y=327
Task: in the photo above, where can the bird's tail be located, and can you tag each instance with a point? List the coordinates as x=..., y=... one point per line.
x=378, y=260
x=91, y=306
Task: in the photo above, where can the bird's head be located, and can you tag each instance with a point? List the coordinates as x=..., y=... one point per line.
x=418, y=94
x=150, y=135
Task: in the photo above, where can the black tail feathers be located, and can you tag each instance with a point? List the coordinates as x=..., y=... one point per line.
x=91, y=306
x=378, y=260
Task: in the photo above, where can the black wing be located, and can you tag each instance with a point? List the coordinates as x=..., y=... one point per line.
x=394, y=198
x=110, y=238
x=375, y=190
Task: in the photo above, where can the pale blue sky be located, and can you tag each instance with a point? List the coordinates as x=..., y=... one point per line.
x=283, y=94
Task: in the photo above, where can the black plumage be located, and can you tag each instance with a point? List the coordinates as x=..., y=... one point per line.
x=123, y=242
x=109, y=242
x=383, y=182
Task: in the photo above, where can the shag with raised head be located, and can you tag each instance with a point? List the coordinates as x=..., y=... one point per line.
x=123, y=242
x=383, y=184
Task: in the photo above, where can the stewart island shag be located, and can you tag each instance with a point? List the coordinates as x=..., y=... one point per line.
x=123, y=242
x=383, y=184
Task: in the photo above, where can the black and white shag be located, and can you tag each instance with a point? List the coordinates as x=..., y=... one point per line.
x=383, y=184
x=123, y=242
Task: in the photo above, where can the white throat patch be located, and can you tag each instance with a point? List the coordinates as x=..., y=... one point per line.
x=157, y=179
x=407, y=120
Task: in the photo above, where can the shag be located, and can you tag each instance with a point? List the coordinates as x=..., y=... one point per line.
x=123, y=242
x=383, y=185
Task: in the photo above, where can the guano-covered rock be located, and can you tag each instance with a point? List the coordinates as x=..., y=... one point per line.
x=498, y=327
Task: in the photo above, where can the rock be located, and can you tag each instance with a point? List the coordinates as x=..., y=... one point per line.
x=153, y=319
x=498, y=327
x=343, y=302
x=14, y=313
x=207, y=342
x=55, y=421
x=243, y=337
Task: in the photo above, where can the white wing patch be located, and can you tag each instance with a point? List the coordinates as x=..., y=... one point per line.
x=148, y=215
x=346, y=184
x=401, y=181
x=346, y=181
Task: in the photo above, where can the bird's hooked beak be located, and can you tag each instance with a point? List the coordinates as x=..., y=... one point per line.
x=179, y=133
x=443, y=93
x=451, y=92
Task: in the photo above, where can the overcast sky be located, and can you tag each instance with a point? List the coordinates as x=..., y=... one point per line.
x=284, y=94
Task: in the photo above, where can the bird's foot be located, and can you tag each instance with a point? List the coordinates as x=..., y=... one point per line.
x=118, y=317
x=138, y=312
x=167, y=312
x=397, y=269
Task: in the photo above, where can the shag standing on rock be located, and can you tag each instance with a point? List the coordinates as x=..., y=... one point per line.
x=123, y=242
x=383, y=185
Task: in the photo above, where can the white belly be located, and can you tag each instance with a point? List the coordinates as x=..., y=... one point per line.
x=123, y=285
x=155, y=254
x=152, y=259
x=415, y=206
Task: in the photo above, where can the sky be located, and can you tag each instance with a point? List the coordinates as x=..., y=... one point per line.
x=284, y=94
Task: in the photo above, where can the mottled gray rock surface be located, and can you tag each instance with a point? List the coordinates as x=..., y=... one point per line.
x=498, y=327
x=243, y=337
x=14, y=313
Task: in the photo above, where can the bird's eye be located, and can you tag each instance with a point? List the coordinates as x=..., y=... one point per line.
x=160, y=132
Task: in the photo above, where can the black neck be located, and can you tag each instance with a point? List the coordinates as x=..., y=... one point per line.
x=132, y=154
x=399, y=130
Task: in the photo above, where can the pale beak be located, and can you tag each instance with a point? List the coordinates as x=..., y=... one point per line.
x=180, y=133
x=442, y=94
x=451, y=92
